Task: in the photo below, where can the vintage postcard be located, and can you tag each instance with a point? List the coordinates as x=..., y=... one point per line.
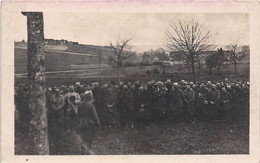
x=130, y=81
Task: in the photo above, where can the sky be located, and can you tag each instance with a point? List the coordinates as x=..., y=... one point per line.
x=147, y=30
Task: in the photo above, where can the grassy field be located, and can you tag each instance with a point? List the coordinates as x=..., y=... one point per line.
x=167, y=138
x=67, y=66
x=178, y=138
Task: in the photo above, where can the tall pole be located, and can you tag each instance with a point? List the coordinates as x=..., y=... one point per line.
x=38, y=132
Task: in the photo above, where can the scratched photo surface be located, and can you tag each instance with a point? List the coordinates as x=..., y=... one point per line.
x=131, y=83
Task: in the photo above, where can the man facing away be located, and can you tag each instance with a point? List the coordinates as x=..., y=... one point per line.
x=88, y=119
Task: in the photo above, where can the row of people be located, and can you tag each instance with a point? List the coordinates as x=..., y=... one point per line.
x=130, y=103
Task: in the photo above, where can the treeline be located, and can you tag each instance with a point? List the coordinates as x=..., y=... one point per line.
x=52, y=42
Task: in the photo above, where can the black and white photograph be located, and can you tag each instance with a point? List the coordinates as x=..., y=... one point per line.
x=131, y=83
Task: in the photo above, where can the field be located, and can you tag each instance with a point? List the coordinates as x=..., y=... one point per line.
x=198, y=138
x=67, y=67
x=166, y=138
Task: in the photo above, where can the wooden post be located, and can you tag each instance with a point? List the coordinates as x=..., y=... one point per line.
x=38, y=132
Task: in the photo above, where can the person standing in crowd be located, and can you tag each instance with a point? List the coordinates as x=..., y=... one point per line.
x=203, y=93
x=97, y=94
x=125, y=106
x=109, y=104
x=72, y=100
x=213, y=102
x=224, y=105
x=182, y=85
x=56, y=115
x=88, y=119
x=78, y=88
x=189, y=97
x=134, y=91
x=168, y=85
x=141, y=112
x=177, y=102
x=158, y=102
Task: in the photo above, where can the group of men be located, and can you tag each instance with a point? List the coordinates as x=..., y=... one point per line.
x=83, y=107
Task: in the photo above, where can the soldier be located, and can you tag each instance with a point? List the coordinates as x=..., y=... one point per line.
x=109, y=104
x=168, y=96
x=56, y=115
x=203, y=93
x=78, y=88
x=158, y=101
x=97, y=94
x=72, y=100
x=213, y=102
x=224, y=105
x=141, y=112
x=182, y=86
x=189, y=97
x=125, y=106
x=177, y=102
x=219, y=88
x=134, y=91
x=88, y=119
x=209, y=84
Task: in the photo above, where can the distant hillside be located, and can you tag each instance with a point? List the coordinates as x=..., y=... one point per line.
x=75, y=48
x=63, y=60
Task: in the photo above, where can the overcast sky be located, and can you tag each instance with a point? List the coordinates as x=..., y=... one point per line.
x=147, y=30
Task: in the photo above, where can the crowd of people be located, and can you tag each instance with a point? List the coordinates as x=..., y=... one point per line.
x=83, y=107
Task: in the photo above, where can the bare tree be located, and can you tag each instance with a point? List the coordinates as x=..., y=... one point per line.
x=236, y=54
x=190, y=38
x=121, y=52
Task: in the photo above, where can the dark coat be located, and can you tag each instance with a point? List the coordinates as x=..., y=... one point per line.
x=88, y=116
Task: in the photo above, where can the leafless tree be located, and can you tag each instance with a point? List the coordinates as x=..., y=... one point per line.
x=121, y=52
x=236, y=54
x=190, y=38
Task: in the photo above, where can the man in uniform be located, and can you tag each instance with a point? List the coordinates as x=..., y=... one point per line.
x=88, y=119
x=177, y=102
x=203, y=93
x=72, y=100
x=158, y=101
x=189, y=96
x=78, y=88
x=182, y=86
x=109, y=106
x=213, y=102
x=224, y=105
x=168, y=85
x=56, y=115
x=125, y=106
x=141, y=113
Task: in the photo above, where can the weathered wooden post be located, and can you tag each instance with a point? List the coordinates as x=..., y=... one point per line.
x=38, y=132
